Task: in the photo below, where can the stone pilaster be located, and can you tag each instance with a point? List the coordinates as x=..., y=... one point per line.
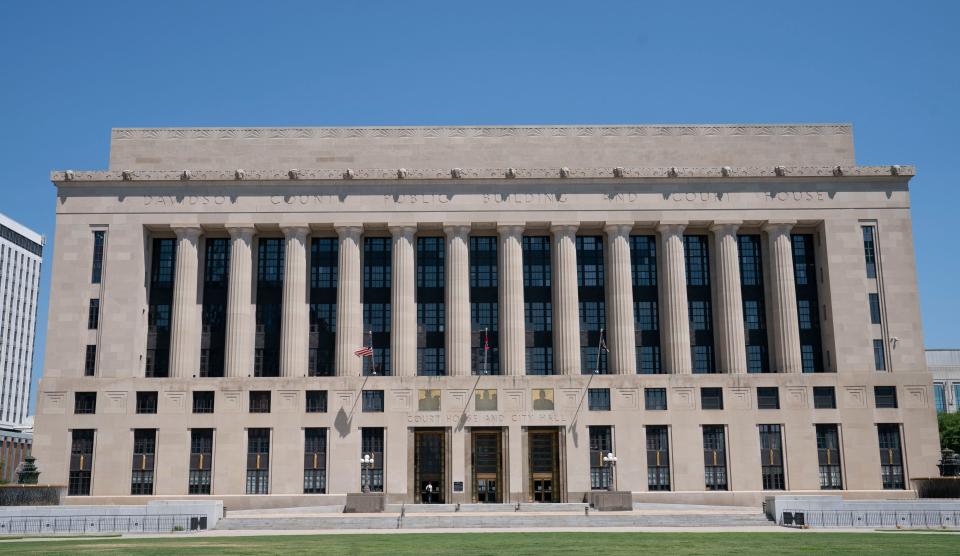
x=403, y=324
x=566, y=311
x=731, y=338
x=457, y=300
x=674, y=318
x=185, y=314
x=349, y=310
x=241, y=325
x=513, y=340
x=295, y=323
x=783, y=293
x=620, y=335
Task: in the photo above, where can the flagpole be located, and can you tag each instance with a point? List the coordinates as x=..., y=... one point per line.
x=599, y=350
x=486, y=349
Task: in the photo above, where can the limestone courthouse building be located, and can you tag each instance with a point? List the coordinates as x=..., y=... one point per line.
x=484, y=314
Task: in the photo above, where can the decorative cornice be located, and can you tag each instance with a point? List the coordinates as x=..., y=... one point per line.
x=380, y=174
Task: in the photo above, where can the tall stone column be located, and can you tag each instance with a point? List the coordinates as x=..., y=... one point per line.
x=731, y=340
x=620, y=335
x=783, y=291
x=513, y=339
x=566, y=310
x=295, y=322
x=457, y=300
x=349, y=309
x=674, y=318
x=403, y=324
x=185, y=314
x=238, y=359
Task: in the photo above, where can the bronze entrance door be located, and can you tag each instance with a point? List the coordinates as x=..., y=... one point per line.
x=428, y=466
x=487, y=466
x=544, y=465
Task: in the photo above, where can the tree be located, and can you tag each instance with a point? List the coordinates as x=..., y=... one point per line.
x=949, y=424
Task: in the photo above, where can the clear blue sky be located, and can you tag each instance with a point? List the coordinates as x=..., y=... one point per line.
x=69, y=71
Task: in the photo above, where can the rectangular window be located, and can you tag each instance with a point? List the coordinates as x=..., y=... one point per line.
x=99, y=238
x=270, y=265
x=643, y=268
x=538, y=307
x=768, y=397
x=805, y=272
x=373, y=401
x=316, y=401
x=81, y=462
x=711, y=398
x=260, y=401
x=824, y=397
x=891, y=456
x=714, y=457
x=160, y=301
x=658, y=458
x=879, y=359
x=371, y=444
x=771, y=458
x=216, y=275
x=828, y=454
x=940, y=397
x=93, y=315
x=697, y=258
x=258, y=461
x=601, y=444
x=144, y=456
x=874, y=308
x=751, y=291
x=870, y=251
x=655, y=399
x=885, y=397
x=203, y=402
x=84, y=403
x=591, y=303
x=201, y=461
x=377, y=269
x=324, y=274
x=315, y=461
x=430, y=307
x=90, y=360
x=598, y=399
x=146, y=402
x=484, y=306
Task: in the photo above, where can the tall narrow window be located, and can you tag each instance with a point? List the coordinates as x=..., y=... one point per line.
x=891, y=456
x=270, y=263
x=771, y=458
x=484, y=309
x=879, y=360
x=90, y=360
x=870, y=251
x=940, y=397
x=93, y=315
x=592, y=307
x=377, y=267
x=828, y=455
x=81, y=462
x=430, y=307
x=658, y=458
x=371, y=444
x=646, y=317
x=874, y=299
x=216, y=272
x=144, y=455
x=714, y=457
x=160, y=300
x=754, y=315
x=258, y=461
x=324, y=261
x=601, y=444
x=805, y=275
x=201, y=461
x=315, y=461
x=698, y=298
x=99, y=238
x=538, y=309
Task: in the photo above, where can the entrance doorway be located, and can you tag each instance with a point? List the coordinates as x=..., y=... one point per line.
x=544, y=465
x=487, y=466
x=428, y=466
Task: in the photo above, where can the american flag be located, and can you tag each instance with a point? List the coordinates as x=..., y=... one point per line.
x=365, y=351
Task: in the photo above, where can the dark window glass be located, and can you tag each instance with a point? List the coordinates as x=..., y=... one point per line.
x=824, y=397
x=144, y=456
x=598, y=399
x=371, y=443
x=711, y=398
x=655, y=399
x=643, y=265
x=891, y=456
x=203, y=402
x=316, y=401
x=601, y=444
x=658, y=458
x=99, y=238
x=377, y=268
x=201, y=459
x=324, y=268
x=93, y=315
x=591, y=303
x=885, y=397
x=484, y=308
x=81, y=462
x=373, y=401
x=315, y=461
x=697, y=257
x=879, y=359
x=270, y=264
x=538, y=308
x=90, y=360
x=771, y=458
x=160, y=301
x=258, y=461
x=146, y=402
x=260, y=401
x=768, y=397
x=805, y=272
x=870, y=251
x=714, y=457
x=216, y=275
x=874, y=308
x=431, y=360
x=828, y=455
x=85, y=402
x=751, y=291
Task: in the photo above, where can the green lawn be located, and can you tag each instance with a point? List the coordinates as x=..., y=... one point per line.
x=495, y=544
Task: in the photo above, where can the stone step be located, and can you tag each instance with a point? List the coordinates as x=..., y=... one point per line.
x=484, y=508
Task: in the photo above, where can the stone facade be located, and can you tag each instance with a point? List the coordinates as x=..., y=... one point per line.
x=782, y=185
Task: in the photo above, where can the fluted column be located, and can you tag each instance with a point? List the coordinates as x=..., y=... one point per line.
x=619, y=303
x=295, y=323
x=513, y=339
x=457, y=300
x=185, y=316
x=731, y=341
x=783, y=293
x=238, y=359
x=674, y=318
x=349, y=310
x=566, y=311
x=403, y=324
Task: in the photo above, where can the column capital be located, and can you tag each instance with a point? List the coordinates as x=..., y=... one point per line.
x=566, y=228
x=295, y=230
x=618, y=228
x=674, y=227
x=456, y=230
x=779, y=226
x=511, y=229
x=244, y=231
x=726, y=226
x=188, y=231
x=349, y=230
x=403, y=230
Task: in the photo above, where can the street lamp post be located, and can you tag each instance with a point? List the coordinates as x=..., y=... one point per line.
x=366, y=464
x=610, y=460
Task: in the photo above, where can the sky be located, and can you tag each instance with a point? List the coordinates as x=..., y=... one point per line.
x=70, y=71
